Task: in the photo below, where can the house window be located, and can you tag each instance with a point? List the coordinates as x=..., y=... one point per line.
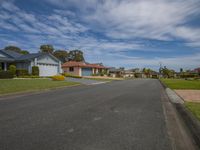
x=71, y=69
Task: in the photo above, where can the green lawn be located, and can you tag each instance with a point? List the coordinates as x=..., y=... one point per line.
x=24, y=85
x=182, y=84
x=194, y=108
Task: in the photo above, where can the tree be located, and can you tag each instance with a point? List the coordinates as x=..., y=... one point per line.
x=167, y=72
x=76, y=55
x=24, y=52
x=62, y=55
x=16, y=49
x=46, y=48
x=13, y=48
x=181, y=70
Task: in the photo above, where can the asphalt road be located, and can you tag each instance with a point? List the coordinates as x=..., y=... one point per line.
x=122, y=115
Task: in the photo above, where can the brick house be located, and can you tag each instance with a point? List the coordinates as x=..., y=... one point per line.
x=83, y=68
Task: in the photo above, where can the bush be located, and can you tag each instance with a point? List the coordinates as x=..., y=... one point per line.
x=188, y=75
x=28, y=76
x=35, y=71
x=58, y=78
x=72, y=76
x=21, y=72
x=6, y=75
x=12, y=69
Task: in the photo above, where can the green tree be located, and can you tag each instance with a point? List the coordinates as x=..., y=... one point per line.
x=76, y=55
x=24, y=52
x=168, y=73
x=13, y=48
x=62, y=55
x=47, y=48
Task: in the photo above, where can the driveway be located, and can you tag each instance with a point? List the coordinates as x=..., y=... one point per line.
x=122, y=115
x=85, y=81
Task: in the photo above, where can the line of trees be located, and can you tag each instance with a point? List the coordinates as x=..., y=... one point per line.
x=62, y=55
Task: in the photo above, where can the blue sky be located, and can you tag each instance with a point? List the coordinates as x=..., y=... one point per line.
x=120, y=33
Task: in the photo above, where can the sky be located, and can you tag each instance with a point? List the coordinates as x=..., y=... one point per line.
x=118, y=33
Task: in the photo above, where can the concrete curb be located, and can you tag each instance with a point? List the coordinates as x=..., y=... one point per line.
x=190, y=121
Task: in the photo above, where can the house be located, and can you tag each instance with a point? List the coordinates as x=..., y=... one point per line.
x=114, y=72
x=47, y=63
x=83, y=68
x=128, y=73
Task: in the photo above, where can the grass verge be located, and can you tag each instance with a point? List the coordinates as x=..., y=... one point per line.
x=8, y=86
x=182, y=84
x=194, y=108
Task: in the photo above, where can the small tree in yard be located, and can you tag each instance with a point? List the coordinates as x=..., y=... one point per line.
x=35, y=71
x=12, y=69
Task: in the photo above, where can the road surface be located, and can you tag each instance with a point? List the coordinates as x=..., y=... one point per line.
x=121, y=115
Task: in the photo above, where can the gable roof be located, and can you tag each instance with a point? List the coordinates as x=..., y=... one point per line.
x=12, y=54
x=29, y=56
x=82, y=64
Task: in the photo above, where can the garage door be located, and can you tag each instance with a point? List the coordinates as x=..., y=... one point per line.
x=48, y=70
x=86, y=71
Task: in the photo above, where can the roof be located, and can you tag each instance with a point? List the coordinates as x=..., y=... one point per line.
x=13, y=56
x=115, y=70
x=82, y=64
x=11, y=53
x=29, y=56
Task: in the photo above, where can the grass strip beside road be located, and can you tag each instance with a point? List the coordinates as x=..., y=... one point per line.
x=194, y=108
x=182, y=84
x=9, y=86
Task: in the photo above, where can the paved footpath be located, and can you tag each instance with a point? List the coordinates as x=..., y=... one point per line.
x=121, y=115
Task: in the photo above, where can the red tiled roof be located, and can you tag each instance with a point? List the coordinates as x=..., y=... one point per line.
x=81, y=64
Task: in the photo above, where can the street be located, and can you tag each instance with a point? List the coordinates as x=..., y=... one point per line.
x=121, y=115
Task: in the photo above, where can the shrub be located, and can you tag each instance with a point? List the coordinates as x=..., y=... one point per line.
x=29, y=76
x=58, y=78
x=6, y=75
x=35, y=71
x=22, y=72
x=72, y=76
x=12, y=69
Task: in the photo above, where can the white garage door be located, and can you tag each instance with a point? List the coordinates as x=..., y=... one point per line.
x=48, y=70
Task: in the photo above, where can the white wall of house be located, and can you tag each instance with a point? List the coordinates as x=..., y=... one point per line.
x=48, y=66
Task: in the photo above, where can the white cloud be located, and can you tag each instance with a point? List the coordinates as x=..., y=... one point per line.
x=120, y=21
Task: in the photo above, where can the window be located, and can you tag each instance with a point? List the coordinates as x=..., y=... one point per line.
x=71, y=69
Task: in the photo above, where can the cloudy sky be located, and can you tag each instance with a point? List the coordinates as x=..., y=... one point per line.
x=129, y=33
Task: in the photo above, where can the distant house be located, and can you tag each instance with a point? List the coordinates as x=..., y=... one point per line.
x=83, y=68
x=116, y=72
x=128, y=73
x=47, y=63
x=197, y=70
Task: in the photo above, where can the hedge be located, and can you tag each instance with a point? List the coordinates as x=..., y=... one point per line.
x=35, y=71
x=21, y=72
x=12, y=69
x=6, y=75
x=70, y=75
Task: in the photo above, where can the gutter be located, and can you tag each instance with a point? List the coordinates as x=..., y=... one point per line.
x=191, y=122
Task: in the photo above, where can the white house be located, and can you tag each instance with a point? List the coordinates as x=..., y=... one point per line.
x=47, y=63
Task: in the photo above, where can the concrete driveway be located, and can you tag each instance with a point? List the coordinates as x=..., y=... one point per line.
x=124, y=115
x=85, y=81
